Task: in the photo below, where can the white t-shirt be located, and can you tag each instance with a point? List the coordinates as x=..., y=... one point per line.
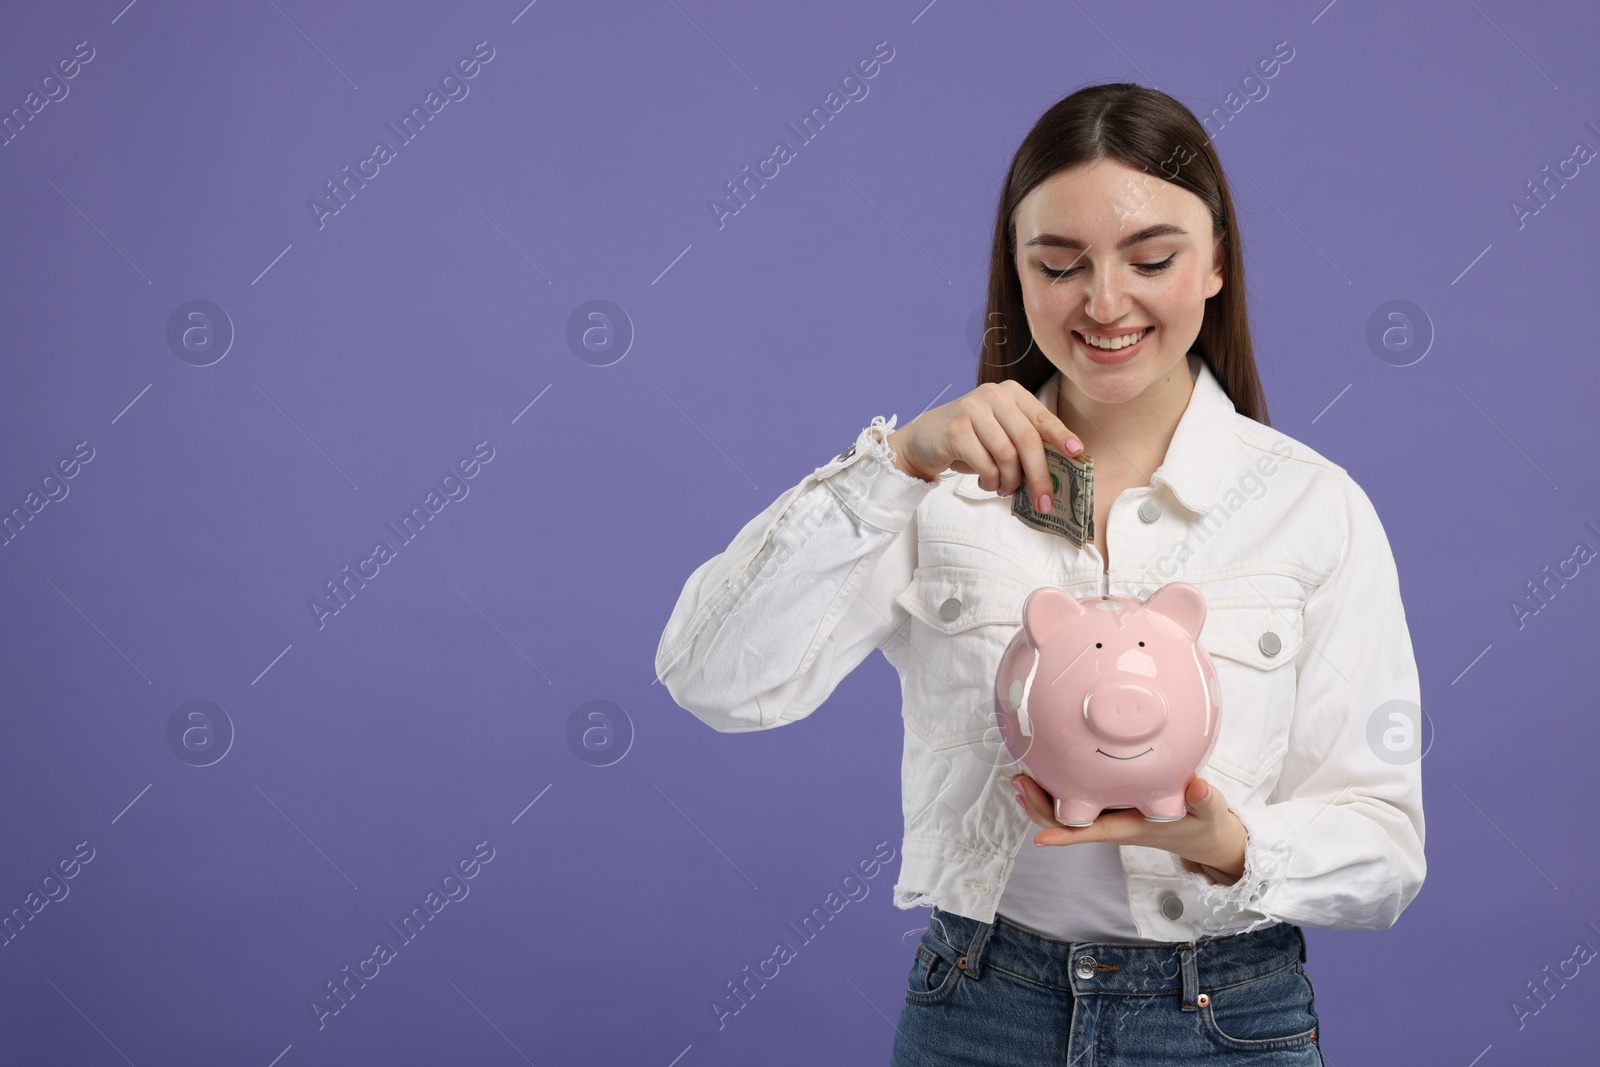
x=1070, y=892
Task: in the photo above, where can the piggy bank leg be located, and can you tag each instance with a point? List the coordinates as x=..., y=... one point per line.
x=1076, y=812
x=1166, y=809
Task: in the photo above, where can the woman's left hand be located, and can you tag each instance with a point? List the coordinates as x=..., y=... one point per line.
x=1210, y=833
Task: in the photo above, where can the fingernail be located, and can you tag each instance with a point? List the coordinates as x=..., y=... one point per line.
x=1073, y=444
x=1019, y=800
x=1017, y=786
x=1044, y=503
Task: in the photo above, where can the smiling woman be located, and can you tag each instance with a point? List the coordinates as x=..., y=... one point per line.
x=1118, y=330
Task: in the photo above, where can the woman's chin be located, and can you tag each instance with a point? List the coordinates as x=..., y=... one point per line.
x=1111, y=385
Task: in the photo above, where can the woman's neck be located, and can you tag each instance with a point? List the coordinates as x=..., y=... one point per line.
x=1128, y=440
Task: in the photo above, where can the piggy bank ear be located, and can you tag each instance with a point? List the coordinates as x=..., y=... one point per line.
x=1182, y=603
x=1048, y=610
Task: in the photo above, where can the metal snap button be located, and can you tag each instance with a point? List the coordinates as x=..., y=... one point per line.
x=1171, y=905
x=1270, y=643
x=842, y=456
x=1150, y=510
x=1203, y=999
x=1085, y=967
x=962, y=963
x=950, y=609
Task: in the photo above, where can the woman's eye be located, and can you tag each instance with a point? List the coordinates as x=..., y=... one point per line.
x=1149, y=268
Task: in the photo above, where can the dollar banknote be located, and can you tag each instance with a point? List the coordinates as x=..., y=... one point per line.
x=1071, y=499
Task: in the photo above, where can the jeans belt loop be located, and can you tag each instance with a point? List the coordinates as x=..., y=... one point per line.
x=972, y=962
x=1191, y=976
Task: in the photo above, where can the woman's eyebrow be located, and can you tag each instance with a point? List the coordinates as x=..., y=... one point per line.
x=1160, y=229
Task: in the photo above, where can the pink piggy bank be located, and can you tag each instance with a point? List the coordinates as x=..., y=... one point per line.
x=1110, y=702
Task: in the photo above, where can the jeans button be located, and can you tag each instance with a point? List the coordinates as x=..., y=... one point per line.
x=1171, y=905
x=950, y=609
x=1150, y=510
x=1085, y=967
x=1270, y=643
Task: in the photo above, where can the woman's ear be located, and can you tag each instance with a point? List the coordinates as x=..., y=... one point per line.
x=1219, y=260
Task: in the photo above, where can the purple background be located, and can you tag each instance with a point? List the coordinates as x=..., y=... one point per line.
x=438, y=708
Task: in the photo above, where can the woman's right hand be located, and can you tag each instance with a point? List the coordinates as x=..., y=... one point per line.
x=997, y=432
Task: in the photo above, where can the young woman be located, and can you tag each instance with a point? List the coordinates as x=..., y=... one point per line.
x=1117, y=329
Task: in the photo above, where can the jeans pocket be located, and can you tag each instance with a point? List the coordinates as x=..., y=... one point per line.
x=934, y=971
x=1266, y=1013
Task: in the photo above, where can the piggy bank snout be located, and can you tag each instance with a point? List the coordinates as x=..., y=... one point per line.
x=1126, y=711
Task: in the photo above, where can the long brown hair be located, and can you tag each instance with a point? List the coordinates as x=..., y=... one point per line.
x=1149, y=131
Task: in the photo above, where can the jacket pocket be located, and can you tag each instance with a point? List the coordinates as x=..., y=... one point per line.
x=1253, y=645
x=962, y=619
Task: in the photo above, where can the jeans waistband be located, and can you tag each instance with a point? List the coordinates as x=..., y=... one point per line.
x=1087, y=967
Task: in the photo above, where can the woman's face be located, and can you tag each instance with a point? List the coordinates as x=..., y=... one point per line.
x=1079, y=277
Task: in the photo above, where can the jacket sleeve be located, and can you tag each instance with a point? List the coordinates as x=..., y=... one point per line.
x=1339, y=841
x=763, y=632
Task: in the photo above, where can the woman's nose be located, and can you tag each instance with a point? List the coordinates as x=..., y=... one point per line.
x=1106, y=300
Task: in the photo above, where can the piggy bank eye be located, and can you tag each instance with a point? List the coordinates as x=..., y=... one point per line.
x=1097, y=644
x=1141, y=644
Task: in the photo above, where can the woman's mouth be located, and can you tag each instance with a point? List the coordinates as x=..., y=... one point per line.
x=1112, y=355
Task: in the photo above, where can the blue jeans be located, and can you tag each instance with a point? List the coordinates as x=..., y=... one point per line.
x=997, y=995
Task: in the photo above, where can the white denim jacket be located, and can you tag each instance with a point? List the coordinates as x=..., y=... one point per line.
x=1304, y=624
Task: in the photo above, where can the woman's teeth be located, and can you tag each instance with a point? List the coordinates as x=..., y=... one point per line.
x=1112, y=344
